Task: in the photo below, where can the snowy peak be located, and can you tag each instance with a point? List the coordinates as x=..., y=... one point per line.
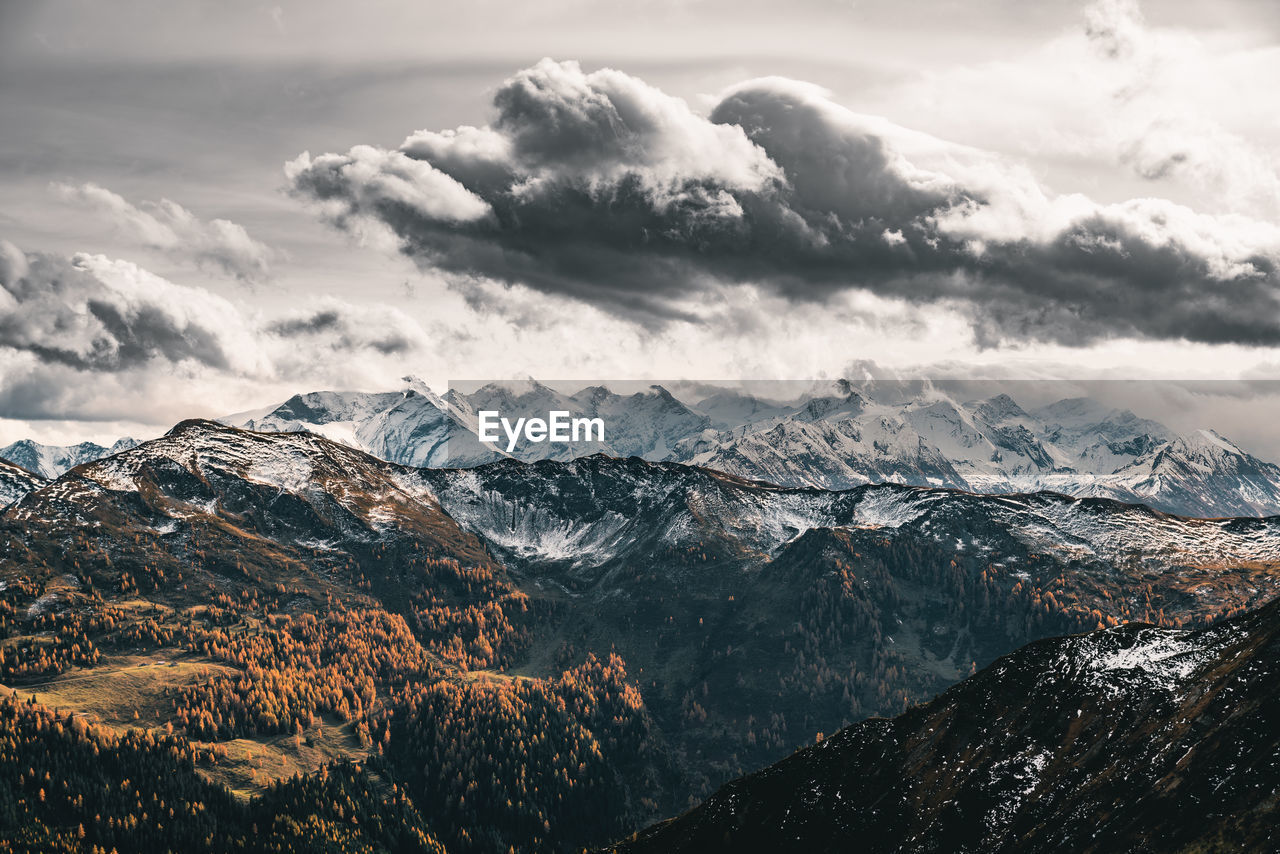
x=644, y=424
x=1077, y=446
x=987, y=441
x=413, y=426
x=1206, y=445
x=846, y=402
x=418, y=428
x=296, y=481
x=732, y=408
x=327, y=407
x=50, y=461
x=516, y=394
x=1205, y=474
x=1074, y=412
x=837, y=435
x=1101, y=436
x=826, y=453
x=999, y=410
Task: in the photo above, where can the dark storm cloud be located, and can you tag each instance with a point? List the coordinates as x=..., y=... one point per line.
x=63, y=313
x=600, y=187
x=94, y=315
x=320, y=321
x=349, y=330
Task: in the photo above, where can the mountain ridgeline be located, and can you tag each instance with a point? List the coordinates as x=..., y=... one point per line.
x=540, y=656
x=834, y=437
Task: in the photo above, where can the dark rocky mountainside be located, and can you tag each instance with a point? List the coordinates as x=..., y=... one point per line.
x=1132, y=738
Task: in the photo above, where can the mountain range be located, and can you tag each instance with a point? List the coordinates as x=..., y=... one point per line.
x=49, y=461
x=836, y=437
x=657, y=628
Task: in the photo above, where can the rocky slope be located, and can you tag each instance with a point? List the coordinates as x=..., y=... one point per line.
x=759, y=615
x=1132, y=738
x=16, y=481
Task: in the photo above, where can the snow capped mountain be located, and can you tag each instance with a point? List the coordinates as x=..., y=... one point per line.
x=294, y=486
x=49, y=461
x=419, y=428
x=1013, y=433
x=730, y=408
x=1069, y=420
x=1100, y=439
x=598, y=509
x=1075, y=446
x=988, y=441
x=929, y=440
x=1205, y=474
x=332, y=414
x=413, y=426
x=826, y=454
x=838, y=400
x=645, y=424
x=838, y=435
x=15, y=482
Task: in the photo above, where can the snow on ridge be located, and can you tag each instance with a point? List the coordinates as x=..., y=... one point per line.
x=287, y=473
x=522, y=528
x=788, y=516
x=532, y=532
x=1163, y=658
x=1135, y=529
x=113, y=474
x=1211, y=438
x=888, y=508
x=1161, y=652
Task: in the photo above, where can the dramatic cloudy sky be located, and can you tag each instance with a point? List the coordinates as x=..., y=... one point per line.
x=206, y=206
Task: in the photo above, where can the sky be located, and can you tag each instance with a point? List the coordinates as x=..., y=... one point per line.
x=206, y=207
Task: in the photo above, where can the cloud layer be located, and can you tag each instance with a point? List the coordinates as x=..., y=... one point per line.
x=603, y=188
x=170, y=228
x=94, y=337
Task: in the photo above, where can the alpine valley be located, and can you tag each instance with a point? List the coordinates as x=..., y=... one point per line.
x=308, y=636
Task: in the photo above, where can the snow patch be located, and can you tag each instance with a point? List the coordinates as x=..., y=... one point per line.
x=887, y=508
x=1163, y=658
